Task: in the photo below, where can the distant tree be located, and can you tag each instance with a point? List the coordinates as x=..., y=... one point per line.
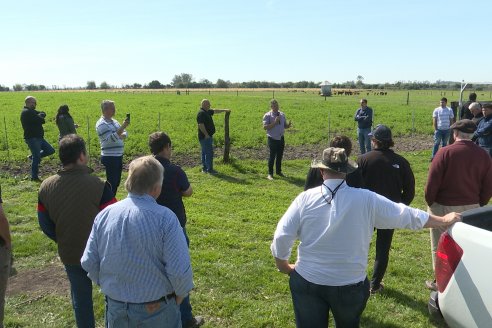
x=155, y=85
x=31, y=87
x=222, y=84
x=91, y=85
x=359, y=84
x=104, y=85
x=182, y=81
x=136, y=86
x=4, y=88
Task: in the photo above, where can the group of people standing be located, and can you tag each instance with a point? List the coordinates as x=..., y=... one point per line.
x=344, y=202
x=113, y=244
x=136, y=250
x=443, y=117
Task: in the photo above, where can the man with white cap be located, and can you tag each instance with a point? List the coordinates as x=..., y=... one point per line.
x=330, y=271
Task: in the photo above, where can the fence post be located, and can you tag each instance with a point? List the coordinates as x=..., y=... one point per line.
x=159, y=125
x=88, y=143
x=6, y=138
x=227, y=140
x=408, y=97
x=273, y=97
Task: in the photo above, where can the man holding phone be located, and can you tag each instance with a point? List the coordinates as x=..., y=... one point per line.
x=111, y=135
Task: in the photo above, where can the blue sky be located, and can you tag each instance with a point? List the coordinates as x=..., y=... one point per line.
x=68, y=43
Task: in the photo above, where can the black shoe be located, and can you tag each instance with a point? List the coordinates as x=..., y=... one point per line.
x=281, y=175
x=431, y=285
x=194, y=322
x=213, y=172
x=36, y=180
x=376, y=290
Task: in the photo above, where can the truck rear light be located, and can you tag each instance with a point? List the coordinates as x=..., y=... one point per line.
x=448, y=257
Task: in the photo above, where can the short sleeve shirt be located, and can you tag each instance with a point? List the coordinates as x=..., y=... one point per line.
x=175, y=182
x=205, y=117
x=444, y=116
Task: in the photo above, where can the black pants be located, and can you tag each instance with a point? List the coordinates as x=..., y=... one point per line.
x=383, y=245
x=276, y=154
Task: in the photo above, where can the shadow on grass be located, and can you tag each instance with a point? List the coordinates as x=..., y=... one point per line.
x=409, y=302
x=230, y=179
x=295, y=181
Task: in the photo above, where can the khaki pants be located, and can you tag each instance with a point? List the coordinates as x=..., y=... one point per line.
x=435, y=233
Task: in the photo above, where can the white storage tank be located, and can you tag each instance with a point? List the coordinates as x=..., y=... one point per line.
x=325, y=89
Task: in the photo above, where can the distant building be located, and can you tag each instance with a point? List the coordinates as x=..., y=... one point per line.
x=325, y=89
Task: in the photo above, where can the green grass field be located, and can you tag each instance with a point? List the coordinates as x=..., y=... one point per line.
x=231, y=216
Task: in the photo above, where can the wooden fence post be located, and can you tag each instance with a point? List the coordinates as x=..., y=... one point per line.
x=227, y=140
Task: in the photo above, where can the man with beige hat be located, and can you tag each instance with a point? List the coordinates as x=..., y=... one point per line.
x=330, y=271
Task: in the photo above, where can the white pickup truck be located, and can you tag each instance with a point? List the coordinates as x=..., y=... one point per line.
x=464, y=272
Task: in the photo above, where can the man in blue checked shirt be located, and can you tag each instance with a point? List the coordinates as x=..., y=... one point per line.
x=137, y=254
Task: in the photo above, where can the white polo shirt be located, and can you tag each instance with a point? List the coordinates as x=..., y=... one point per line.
x=334, y=238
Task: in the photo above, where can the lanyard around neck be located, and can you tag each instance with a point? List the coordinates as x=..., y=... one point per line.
x=333, y=192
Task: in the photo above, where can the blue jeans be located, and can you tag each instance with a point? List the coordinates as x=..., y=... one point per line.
x=364, y=139
x=185, y=306
x=313, y=302
x=207, y=154
x=158, y=314
x=114, y=166
x=39, y=148
x=440, y=136
x=81, y=292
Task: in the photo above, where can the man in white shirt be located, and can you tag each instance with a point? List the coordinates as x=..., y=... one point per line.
x=334, y=235
x=442, y=118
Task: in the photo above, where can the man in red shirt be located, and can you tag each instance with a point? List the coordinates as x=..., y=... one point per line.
x=460, y=178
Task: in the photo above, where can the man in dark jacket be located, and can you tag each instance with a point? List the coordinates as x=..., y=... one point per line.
x=32, y=123
x=388, y=174
x=363, y=116
x=465, y=111
x=68, y=203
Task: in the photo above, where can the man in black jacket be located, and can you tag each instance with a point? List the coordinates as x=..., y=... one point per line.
x=388, y=174
x=32, y=123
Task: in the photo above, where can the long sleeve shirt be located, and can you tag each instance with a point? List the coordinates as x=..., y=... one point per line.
x=460, y=174
x=137, y=252
x=334, y=237
x=111, y=143
x=363, y=116
x=388, y=174
x=32, y=123
x=484, y=134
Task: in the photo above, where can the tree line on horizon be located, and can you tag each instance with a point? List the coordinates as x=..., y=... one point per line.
x=186, y=81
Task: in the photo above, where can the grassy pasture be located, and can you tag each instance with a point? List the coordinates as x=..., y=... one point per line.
x=312, y=116
x=232, y=216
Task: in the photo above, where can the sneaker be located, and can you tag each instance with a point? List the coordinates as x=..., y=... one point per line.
x=269, y=177
x=431, y=285
x=194, y=322
x=204, y=171
x=36, y=180
x=376, y=290
x=281, y=175
x=29, y=157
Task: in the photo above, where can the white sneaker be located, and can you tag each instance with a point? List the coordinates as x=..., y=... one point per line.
x=269, y=177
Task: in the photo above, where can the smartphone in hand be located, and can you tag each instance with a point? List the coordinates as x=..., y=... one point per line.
x=128, y=117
